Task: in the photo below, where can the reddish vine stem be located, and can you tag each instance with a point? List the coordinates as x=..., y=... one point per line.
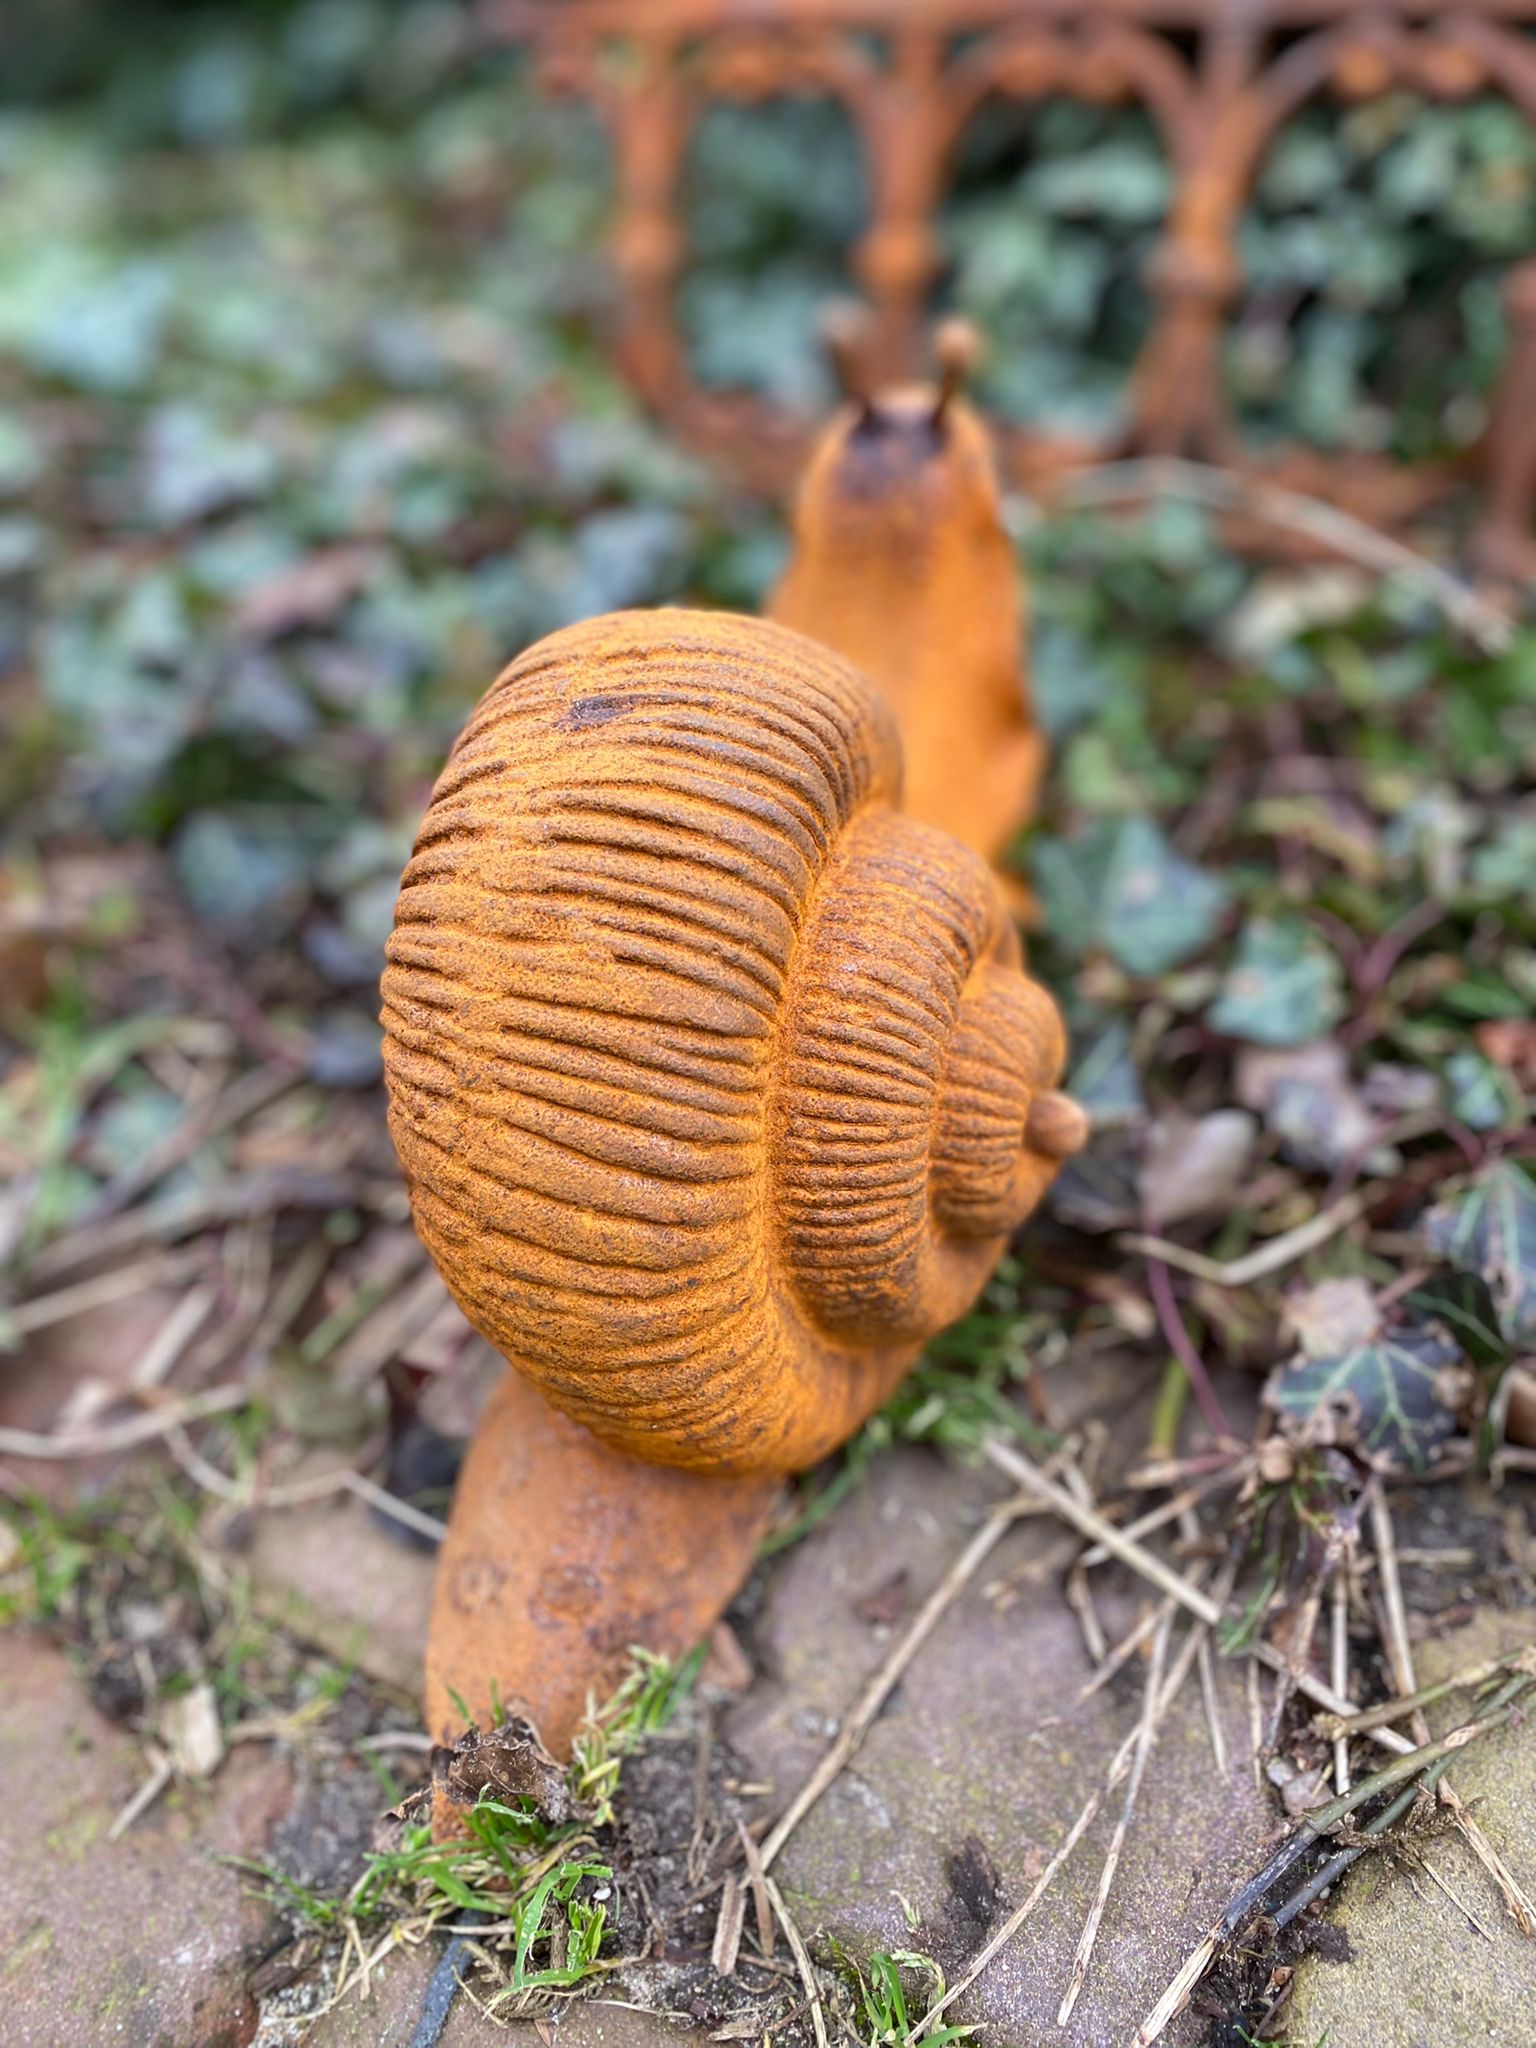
x=1182, y=1345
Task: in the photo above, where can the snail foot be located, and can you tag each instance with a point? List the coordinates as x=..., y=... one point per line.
x=561, y=1557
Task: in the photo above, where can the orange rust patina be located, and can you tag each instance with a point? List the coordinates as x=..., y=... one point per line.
x=903, y=564
x=719, y=1089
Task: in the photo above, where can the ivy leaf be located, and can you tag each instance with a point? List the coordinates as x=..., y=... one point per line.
x=1391, y=1397
x=1464, y=1303
x=1105, y=1081
x=1490, y=1229
x=1283, y=987
x=1121, y=886
x=1069, y=679
x=1483, y=1096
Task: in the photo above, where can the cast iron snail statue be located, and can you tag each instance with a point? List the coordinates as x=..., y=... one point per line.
x=719, y=1089
x=902, y=563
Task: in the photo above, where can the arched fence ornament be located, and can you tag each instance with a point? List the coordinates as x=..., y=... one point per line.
x=1218, y=79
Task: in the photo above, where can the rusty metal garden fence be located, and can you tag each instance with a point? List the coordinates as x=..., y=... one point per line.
x=1219, y=79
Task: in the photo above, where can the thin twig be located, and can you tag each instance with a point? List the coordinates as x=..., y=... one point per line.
x=1255, y=1724
x=1119, y=1765
x=1143, y=1750
x=414, y=1739
x=1079, y=1597
x=1206, y=1659
x=1394, y=1607
x=1189, y=1529
x=1338, y=1662
x=1400, y=1657
x=726, y=1945
x=1324, y=1819
x=160, y=1269
x=177, y=1216
x=155, y=1363
x=390, y=1504
x=1020, y=1914
x=1467, y=1679
x=122, y=1436
x=164, y=1351
x=1125, y=1649
x=301, y=1492
x=1266, y=1258
x=160, y=1773
x=1225, y=490
x=802, y=1960
x=1460, y=1904
x=1430, y=1760
x=1169, y=1510
x=1018, y=1467
x=757, y=1880
x=1182, y=1345
x=242, y=1098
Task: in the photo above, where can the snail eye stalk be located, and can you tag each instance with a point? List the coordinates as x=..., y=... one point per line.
x=957, y=350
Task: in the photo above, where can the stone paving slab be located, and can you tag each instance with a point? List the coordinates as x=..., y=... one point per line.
x=980, y=1761
x=138, y=1943
x=335, y=1577
x=985, y=1738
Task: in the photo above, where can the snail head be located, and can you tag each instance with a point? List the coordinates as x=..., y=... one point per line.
x=899, y=464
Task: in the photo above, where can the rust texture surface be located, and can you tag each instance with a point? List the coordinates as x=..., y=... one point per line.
x=562, y=1555
x=719, y=1088
x=901, y=562
x=1218, y=78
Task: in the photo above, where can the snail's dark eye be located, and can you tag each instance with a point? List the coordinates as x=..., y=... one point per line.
x=885, y=444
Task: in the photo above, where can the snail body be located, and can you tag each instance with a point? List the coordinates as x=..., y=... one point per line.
x=902, y=563
x=718, y=1088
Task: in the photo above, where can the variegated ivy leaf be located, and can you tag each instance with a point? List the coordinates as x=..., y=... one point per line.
x=1392, y=1397
x=1490, y=1229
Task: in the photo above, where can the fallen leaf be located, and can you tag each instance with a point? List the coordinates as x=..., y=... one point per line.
x=1510, y=1042
x=191, y=1731
x=1333, y=1316
x=1464, y=1303
x=1483, y=1095
x=1105, y=1083
x=1194, y=1164
x=509, y=1762
x=1098, y=1190
x=885, y=1604
x=1282, y=604
x=1308, y=1101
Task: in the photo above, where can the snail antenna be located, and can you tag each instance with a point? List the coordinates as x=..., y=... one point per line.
x=957, y=349
x=846, y=334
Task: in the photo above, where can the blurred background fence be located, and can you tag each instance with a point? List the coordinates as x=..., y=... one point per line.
x=1155, y=180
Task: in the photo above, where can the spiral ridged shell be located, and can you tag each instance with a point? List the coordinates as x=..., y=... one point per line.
x=710, y=1073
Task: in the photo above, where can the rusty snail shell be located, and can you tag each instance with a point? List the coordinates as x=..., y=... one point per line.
x=902, y=563
x=718, y=1087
